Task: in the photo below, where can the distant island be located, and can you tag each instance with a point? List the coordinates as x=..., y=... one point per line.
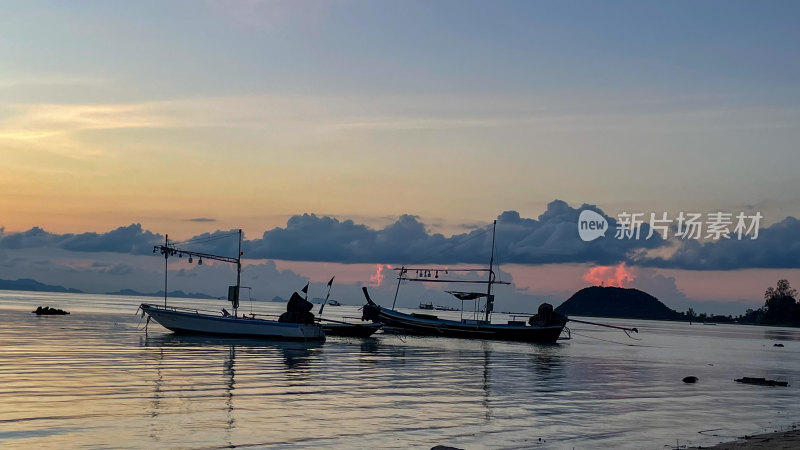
x=174, y=294
x=26, y=284
x=617, y=302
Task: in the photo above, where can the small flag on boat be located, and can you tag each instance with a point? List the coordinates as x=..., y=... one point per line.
x=305, y=289
x=330, y=283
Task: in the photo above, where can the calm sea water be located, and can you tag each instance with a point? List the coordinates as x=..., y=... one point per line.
x=94, y=379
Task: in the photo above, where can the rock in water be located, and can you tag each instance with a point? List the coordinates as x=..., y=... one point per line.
x=690, y=379
x=48, y=311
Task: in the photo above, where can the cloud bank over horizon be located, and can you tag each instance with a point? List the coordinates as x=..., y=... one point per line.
x=551, y=238
x=322, y=246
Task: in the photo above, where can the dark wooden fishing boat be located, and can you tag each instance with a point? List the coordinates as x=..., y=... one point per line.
x=545, y=327
x=335, y=328
x=537, y=330
x=342, y=327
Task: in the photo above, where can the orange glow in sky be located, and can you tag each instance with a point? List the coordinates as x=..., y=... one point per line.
x=617, y=276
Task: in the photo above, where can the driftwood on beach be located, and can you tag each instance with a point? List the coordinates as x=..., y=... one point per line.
x=761, y=381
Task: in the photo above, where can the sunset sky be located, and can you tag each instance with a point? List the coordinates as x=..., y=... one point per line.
x=388, y=123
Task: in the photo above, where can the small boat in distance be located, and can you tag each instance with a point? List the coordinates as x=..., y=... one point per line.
x=296, y=324
x=445, y=308
x=333, y=303
x=546, y=326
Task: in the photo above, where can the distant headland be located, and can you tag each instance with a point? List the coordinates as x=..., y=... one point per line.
x=617, y=302
x=175, y=294
x=27, y=284
x=780, y=308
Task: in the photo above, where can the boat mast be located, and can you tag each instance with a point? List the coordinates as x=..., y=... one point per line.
x=238, y=275
x=489, y=299
x=166, y=259
x=399, y=279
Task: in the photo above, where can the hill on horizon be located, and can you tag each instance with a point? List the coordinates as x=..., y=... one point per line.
x=625, y=303
x=176, y=294
x=28, y=284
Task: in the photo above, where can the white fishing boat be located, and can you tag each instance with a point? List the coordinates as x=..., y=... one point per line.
x=189, y=321
x=290, y=326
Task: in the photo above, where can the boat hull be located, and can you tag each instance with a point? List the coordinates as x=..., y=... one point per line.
x=408, y=324
x=351, y=329
x=197, y=323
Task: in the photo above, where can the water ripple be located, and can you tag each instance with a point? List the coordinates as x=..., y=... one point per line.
x=92, y=379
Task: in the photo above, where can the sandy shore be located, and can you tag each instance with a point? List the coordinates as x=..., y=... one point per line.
x=778, y=440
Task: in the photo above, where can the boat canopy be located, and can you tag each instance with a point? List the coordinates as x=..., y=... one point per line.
x=464, y=296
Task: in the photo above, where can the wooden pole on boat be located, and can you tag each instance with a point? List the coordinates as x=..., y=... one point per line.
x=238, y=275
x=491, y=274
x=399, y=279
x=166, y=258
x=327, y=296
x=627, y=330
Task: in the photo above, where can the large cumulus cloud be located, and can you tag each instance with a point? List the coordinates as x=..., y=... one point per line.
x=313, y=238
x=777, y=247
x=550, y=238
x=128, y=239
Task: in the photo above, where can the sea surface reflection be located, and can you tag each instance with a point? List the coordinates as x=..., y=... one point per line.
x=96, y=379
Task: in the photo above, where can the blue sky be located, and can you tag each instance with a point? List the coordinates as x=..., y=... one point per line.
x=224, y=48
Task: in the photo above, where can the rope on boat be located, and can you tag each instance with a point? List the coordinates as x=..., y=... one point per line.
x=205, y=239
x=607, y=340
x=475, y=234
x=627, y=331
x=140, y=319
x=145, y=325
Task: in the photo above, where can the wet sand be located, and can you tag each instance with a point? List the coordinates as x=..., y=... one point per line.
x=772, y=441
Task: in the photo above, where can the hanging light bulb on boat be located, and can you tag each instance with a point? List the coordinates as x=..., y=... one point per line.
x=190, y=259
x=200, y=262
